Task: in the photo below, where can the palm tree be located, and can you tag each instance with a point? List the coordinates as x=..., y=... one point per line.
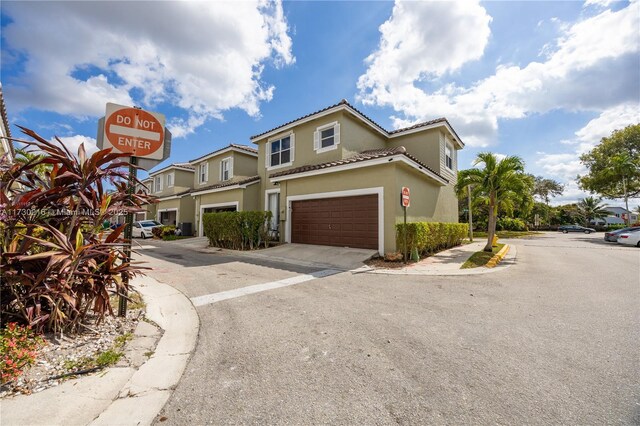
x=590, y=209
x=499, y=182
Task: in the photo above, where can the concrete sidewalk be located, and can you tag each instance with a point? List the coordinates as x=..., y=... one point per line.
x=122, y=396
x=448, y=262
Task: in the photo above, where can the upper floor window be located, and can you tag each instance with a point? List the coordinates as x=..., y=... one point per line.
x=203, y=172
x=448, y=156
x=226, y=168
x=281, y=151
x=326, y=137
x=170, y=177
x=157, y=185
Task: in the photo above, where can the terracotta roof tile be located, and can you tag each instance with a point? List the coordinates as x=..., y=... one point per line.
x=232, y=182
x=371, y=154
x=232, y=145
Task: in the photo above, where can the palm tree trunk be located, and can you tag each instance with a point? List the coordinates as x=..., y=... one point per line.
x=626, y=200
x=492, y=224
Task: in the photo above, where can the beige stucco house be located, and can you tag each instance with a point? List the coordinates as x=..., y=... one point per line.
x=225, y=180
x=334, y=177
x=172, y=185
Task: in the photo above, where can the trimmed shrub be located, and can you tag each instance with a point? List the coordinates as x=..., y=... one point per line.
x=245, y=230
x=430, y=237
x=510, y=224
x=614, y=227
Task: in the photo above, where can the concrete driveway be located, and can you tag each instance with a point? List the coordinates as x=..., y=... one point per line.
x=551, y=340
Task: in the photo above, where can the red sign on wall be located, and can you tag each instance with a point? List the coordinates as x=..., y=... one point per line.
x=405, y=197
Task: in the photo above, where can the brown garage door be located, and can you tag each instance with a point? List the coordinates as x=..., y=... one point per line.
x=343, y=222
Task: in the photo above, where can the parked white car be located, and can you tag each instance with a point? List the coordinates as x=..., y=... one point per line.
x=143, y=228
x=630, y=238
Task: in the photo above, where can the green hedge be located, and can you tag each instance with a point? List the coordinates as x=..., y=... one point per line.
x=510, y=224
x=245, y=230
x=430, y=237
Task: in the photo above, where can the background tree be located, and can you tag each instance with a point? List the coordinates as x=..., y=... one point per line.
x=545, y=189
x=498, y=183
x=590, y=209
x=614, y=165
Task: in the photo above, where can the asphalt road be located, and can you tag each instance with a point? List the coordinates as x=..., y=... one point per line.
x=551, y=340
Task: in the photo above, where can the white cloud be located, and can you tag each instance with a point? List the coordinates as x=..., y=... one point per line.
x=205, y=57
x=566, y=166
x=588, y=68
x=72, y=143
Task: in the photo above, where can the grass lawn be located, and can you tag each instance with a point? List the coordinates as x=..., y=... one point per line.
x=480, y=258
x=507, y=234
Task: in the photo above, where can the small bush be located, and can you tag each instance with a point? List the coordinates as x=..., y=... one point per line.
x=430, y=237
x=237, y=230
x=164, y=232
x=18, y=347
x=614, y=227
x=510, y=224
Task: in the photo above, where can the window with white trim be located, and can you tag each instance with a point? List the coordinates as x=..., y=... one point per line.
x=203, y=172
x=281, y=151
x=170, y=178
x=157, y=185
x=327, y=137
x=448, y=156
x=226, y=168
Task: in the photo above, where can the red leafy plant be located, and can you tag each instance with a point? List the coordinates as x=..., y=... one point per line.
x=18, y=346
x=57, y=262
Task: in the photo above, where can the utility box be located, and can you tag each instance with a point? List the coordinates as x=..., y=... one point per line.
x=186, y=229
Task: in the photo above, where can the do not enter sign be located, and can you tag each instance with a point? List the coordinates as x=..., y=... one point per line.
x=134, y=131
x=405, y=196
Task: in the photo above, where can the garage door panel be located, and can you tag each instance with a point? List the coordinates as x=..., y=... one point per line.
x=341, y=221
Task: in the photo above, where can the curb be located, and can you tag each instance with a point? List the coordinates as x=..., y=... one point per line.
x=149, y=388
x=497, y=258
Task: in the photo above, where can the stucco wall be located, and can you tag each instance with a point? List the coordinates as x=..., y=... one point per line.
x=182, y=180
x=425, y=146
x=429, y=201
x=244, y=165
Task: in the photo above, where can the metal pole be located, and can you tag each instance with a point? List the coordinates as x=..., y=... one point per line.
x=405, y=233
x=470, y=213
x=133, y=171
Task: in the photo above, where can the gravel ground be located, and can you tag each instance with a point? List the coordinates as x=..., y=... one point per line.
x=62, y=354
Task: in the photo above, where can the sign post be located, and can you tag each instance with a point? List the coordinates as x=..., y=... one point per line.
x=142, y=135
x=405, y=202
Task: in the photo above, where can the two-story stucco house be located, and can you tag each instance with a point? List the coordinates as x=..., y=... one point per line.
x=225, y=180
x=171, y=185
x=334, y=177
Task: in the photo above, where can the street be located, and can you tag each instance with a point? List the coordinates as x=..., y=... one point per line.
x=552, y=339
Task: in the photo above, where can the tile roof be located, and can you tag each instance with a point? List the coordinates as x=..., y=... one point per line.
x=5, y=120
x=418, y=125
x=371, y=154
x=232, y=145
x=232, y=182
x=181, y=165
x=382, y=129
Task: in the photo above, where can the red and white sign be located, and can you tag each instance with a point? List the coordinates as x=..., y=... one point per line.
x=134, y=131
x=405, y=197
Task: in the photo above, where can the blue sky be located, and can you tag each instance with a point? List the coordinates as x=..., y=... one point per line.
x=542, y=80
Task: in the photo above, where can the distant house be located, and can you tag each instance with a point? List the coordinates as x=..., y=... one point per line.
x=618, y=216
x=171, y=185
